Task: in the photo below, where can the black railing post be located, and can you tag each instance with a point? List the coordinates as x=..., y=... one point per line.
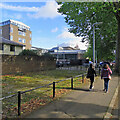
x=53, y=89
x=83, y=78
x=19, y=103
x=72, y=83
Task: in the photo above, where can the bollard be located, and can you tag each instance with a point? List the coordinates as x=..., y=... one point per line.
x=19, y=103
x=82, y=78
x=53, y=89
x=71, y=83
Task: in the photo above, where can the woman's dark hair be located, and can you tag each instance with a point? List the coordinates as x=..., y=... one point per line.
x=91, y=65
x=105, y=66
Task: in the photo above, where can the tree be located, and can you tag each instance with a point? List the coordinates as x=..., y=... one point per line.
x=28, y=52
x=80, y=16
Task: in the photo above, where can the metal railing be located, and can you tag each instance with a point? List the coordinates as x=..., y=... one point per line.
x=19, y=93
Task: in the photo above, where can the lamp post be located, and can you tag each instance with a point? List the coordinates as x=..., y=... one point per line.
x=94, y=41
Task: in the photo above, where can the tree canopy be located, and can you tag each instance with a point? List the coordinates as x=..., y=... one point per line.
x=81, y=16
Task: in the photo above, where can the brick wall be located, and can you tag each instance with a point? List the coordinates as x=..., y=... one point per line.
x=24, y=64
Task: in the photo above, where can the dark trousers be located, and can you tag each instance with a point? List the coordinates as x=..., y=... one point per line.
x=106, y=82
x=91, y=81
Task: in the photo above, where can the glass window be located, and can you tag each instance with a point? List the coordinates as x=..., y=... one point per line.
x=24, y=34
x=1, y=47
x=18, y=25
x=12, y=48
x=24, y=41
x=11, y=37
x=19, y=32
x=30, y=35
x=11, y=30
x=20, y=40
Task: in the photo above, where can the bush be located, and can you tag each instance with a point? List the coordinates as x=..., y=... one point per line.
x=48, y=55
x=28, y=52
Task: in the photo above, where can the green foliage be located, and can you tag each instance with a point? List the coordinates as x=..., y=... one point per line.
x=81, y=16
x=89, y=53
x=28, y=52
x=48, y=55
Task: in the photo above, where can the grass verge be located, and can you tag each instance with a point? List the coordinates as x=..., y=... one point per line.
x=30, y=101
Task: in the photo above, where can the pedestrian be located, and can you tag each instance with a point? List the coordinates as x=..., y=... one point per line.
x=106, y=75
x=90, y=74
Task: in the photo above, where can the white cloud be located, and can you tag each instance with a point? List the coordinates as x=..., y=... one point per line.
x=49, y=10
x=71, y=40
x=19, y=8
x=67, y=35
x=13, y=16
x=54, y=30
x=17, y=16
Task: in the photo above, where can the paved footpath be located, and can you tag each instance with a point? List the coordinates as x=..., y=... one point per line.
x=80, y=103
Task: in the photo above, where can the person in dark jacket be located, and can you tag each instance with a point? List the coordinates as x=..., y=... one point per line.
x=90, y=74
x=105, y=74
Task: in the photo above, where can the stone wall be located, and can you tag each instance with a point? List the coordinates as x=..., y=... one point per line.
x=24, y=64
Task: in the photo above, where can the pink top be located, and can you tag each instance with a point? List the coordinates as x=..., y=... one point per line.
x=105, y=73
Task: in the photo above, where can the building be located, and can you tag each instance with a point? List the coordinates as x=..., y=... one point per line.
x=67, y=54
x=10, y=47
x=39, y=51
x=16, y=31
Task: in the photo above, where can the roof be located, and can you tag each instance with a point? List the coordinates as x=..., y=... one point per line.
x=69, y=52
x=36, y=48
x=68, y=48
x=6, y=41
x=15, y=22
x=64, y=48
x=57, y=48
x=19, y=23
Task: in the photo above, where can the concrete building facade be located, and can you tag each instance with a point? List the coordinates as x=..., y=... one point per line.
x=16, y=31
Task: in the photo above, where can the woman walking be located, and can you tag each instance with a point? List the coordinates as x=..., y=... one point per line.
x=106, y=75
x=90, y=74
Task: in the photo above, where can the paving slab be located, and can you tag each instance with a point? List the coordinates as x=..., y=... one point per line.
x=80, y=103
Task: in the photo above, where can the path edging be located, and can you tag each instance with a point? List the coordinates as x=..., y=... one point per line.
x=108, y=113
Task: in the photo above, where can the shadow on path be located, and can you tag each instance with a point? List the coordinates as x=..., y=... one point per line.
x=69, y=109
x=81, y=89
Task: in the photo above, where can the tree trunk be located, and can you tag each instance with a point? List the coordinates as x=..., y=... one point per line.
x=117, y=66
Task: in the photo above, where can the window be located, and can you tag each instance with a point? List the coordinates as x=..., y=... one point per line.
x=12, y=48
x=11, y=30
x=1, y=47
x=30, y=35
x=20, y=33
x=20, y=40
x=23, y=41
x=24, y=34
x=11, y=38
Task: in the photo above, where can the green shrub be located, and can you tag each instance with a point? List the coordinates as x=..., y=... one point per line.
x=48, y=55
x=28, y=52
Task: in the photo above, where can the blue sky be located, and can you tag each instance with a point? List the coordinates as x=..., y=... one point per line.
x=47, y=25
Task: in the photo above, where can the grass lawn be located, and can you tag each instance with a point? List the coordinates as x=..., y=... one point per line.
x=11, y=84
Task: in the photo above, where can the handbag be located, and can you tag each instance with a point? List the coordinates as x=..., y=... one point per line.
x=88, y=76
